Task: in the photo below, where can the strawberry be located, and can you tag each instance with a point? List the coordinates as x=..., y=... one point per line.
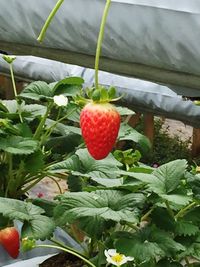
x=9, y=239
x=99, y=125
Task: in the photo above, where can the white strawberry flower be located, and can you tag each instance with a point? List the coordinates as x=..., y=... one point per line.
x=115, y=258
x=60, y=100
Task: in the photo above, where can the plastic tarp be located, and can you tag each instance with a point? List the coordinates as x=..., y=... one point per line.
x=141, y=96
x=149, y=39
x=33, y=262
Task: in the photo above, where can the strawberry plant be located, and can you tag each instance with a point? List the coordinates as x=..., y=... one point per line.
x=142, y=217
x=32, y=132
x=120, y=211
x=39, y=131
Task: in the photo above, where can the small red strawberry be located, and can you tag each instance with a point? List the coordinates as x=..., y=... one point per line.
x=100, y=124
x=9, y=239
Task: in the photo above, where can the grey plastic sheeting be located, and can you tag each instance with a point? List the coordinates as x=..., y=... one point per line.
x=163, y=34
x=140, y=95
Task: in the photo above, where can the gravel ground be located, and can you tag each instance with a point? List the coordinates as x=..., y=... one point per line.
x=178, y=128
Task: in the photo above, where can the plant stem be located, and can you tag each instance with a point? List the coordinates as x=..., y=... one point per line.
x=42, y=122
x=100, y=40
x=10, y=172
x=37, y=180
x=169, y=209
x=15, y=91
x=132, y=226
x=182, y=212
x=10, y=164
x=13, y=80
x=68, y=251
x=48, y=21
x=60, y=244
x=49, y=131
x=59, y=188
x=146, y=215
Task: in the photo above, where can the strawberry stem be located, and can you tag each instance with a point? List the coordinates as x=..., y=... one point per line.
x=100, y=40
x=70, y=251
x=15, y=91
x=48, y=21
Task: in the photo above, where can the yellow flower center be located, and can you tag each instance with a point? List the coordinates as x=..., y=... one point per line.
x=117, y=257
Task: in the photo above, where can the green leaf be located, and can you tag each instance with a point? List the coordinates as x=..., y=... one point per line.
x=126, y=132
x=69, y=86
x=143, y=177
x=11, y=105
x=40, y=227
x=3, y=221
x=18, y=145
x=104, y=168
x=160, y=181
x=100, y=206
x=36, y=226
x=24, y=130
x=148, y=263
x=63, y=129
x=193, y=216
x=36, y=91
x=63, y=144
x=181, y=200
x=186, y=228
x=19, y=210
x=74, y=183
x=171, y=174
x=123, y=111
x=192, y=245
x=74, y=112
x=47, y=205
x=3, y=107
x=109, y=183
x=168, y=263
x=163, y=220
x=34, y=162
x=68, y=165
x=148, y=244
x=35, y=110
x=139, y=249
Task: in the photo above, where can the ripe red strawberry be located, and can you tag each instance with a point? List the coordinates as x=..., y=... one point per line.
x=99, y=125
x=9, y=239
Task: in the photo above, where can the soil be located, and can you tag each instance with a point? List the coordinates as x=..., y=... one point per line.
x=62, y=260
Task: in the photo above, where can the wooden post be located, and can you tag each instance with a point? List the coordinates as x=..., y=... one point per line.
x=7, y=87
x=134, y=119
x=196, y=142
x=149, y=126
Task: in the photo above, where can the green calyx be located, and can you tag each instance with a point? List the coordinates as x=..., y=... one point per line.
x=100, y=95
x=9, y=59
x=104, y=95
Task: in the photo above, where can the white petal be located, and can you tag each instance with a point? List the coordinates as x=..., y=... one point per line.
x=112, y=252
x=60, y=100
x=124, y=260
x=129, y=258
x=106, y=253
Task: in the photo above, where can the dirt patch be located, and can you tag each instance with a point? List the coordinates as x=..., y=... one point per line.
x=62, y=260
